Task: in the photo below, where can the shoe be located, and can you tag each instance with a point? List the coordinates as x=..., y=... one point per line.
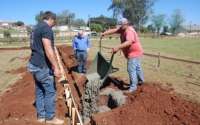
x=41, y=120
x=140, y=83
x=55, y=121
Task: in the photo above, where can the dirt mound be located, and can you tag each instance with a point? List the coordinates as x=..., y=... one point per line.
x=17, y=103
x=151, y=105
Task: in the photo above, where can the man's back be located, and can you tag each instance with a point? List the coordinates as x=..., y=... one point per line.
x=38, y=57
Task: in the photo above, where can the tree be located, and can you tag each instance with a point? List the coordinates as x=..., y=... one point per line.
x=165, y=29
x=176, y=21
x=65, y=18
x=104, y=21
x=6, y=34
x=96, y=27
x=78, y=22
x=136, y=11
x=38, y=16
x=19, y=23
x=151, y=28
x=158, y=22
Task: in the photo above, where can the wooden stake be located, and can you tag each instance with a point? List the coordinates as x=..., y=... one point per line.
x=67, y=94
x=73, y=116
x=69, y=104
x=158, y=65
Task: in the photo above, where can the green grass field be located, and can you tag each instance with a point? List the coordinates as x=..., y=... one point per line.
x=185, y=48
x=176, y=47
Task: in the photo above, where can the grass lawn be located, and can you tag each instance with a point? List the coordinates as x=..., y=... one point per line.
x=175, y=47
x=9, y=61
x=185, y=48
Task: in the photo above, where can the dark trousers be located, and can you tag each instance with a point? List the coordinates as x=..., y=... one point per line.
x=81, y=56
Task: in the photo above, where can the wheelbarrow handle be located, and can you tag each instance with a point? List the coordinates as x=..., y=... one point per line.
x=111, y=59
x=100, y=44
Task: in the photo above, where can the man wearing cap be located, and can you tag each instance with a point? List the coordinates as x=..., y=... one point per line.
x=44, y=67
x=132, y=49
x=81, y=46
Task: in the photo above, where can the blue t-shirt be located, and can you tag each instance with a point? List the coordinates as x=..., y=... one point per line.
x=81, y=43
x=38, y=56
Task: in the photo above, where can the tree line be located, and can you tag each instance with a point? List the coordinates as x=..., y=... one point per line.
x=140, y=11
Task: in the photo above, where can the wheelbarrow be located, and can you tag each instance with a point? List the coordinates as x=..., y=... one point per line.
x=102, y=67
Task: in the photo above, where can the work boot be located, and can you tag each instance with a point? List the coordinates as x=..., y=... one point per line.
x=140, y=83
x=41, y=120
x=55, y=121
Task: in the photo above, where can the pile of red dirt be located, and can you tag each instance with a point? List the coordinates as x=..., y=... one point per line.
x=151, y=105
x=17, y=103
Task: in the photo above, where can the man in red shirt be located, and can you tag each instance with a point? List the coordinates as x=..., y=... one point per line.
x=132, y=49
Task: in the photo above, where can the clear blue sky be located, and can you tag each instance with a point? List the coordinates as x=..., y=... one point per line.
x=25, y=10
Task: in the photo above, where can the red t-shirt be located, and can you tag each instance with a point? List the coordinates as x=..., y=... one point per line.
x=135, y=50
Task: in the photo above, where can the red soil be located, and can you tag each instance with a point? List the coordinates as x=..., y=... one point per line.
x=151, y=105
x=17, y=102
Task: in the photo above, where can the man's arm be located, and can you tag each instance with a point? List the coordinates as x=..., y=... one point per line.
x=121, y=46
x=51, y=56
x=74, y=44
x=110, y=31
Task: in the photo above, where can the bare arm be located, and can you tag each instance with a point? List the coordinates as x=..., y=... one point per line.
x=50, y=55
x=110, y=31
x=121, y=46
x=125, y=44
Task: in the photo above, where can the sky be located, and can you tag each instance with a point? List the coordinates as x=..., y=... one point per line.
x=25, y=10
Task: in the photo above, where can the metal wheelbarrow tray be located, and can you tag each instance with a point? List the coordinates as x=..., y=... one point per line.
x=102, y=67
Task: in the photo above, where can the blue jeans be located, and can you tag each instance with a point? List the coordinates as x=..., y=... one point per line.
x=45, y=91
x=82, y=60
x=135, y=72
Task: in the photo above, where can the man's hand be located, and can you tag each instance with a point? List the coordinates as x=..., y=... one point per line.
x=116, y=49
x=57, y=72
x=102, y=35
x=88, y=49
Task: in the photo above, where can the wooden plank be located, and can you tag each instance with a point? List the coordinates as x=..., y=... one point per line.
x=69, y=104
x=63, y=78
x=67, y=94
x=70, y=101
x=73, y=116
x=78, y=114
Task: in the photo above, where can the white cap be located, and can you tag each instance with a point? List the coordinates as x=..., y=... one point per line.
x=123, y=21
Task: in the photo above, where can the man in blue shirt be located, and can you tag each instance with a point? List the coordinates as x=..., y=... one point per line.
x=44, y=67
x=81, y=46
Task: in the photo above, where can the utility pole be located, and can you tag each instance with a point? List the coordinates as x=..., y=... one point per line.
x=89, y=21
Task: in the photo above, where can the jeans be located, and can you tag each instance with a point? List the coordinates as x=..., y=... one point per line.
x=135, y=73
x=82, y=60
x=45, y=91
